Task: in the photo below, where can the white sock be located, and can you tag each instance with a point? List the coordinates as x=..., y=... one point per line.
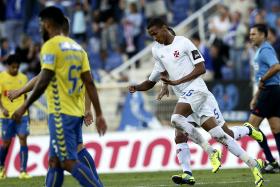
x=203, y=143
x=232, y=145
x=248, y=160
x=184, y=156
x=239, y=131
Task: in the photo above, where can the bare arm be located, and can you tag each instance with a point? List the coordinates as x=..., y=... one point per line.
x=92, y=93
x=198, y=70
x=87, y=102
x=164, y=87
x=88, y=119
x=39, y=88
x=271, y=72
x=3, y=109
x=13, y=94
x=144, y=86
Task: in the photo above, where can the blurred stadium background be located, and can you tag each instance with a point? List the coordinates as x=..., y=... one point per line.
x=114, y=36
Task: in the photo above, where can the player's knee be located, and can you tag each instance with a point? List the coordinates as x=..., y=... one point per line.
x=54, y=162
x=218, y=134
x=68, y=165
x=6, y=144
x=22, y=140
x=176, y=121
x=228, y=130
x=181, y=138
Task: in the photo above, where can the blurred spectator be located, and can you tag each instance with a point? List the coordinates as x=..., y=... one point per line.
x=217, y=59
x=107, y=9
x=274, y=40
x=25, y=52
x=154, y=8
x=13, y=24
x=267, y=4
x=5, y=50
x=110, y=60
x=209, y=75
x=31, y=9
x=33, y=30
x=34, y=66
x=180, y=11
x=61, y=4
x=79, y=23
x=242, y=6
x=132, y=29
x=219, y=24
x=194, y=5
x=109, y=35
x=2, y=19
x=235, y=39
x=260, y=17
x=278, y=27
x=272, y=14
x=94, y=32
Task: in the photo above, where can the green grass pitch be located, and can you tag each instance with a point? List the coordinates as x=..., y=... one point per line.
x=224, y=178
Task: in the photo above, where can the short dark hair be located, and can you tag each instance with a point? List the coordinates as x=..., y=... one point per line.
x=261, y=28
x=54, y=14
x=14, y=58
x=66, y=26
x=158, y=22
x=171, y=31
x=273, y=31
x=196, y=36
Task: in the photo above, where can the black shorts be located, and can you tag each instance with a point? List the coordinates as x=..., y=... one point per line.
x=268, y=102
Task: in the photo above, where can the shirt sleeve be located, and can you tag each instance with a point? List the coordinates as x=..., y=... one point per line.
x=268, y=56
x=155, y=75
x=48, y=56
x=85, y=63
x=193, y=53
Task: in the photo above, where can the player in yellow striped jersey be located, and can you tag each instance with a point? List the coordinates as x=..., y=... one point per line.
x=65, y=68
x=9, y=80
x=83, y=154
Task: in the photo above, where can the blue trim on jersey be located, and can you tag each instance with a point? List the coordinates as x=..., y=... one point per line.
x=266, y=57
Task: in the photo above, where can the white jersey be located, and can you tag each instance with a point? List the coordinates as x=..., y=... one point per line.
x=178, y=59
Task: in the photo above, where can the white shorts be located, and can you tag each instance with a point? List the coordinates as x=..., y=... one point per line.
x=204, y=106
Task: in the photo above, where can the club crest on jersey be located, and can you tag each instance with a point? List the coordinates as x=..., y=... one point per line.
x=176, y=54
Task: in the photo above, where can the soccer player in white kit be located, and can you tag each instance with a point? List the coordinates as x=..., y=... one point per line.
x=184, y=64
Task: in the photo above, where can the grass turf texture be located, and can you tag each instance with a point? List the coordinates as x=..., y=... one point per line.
x=225, y=177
